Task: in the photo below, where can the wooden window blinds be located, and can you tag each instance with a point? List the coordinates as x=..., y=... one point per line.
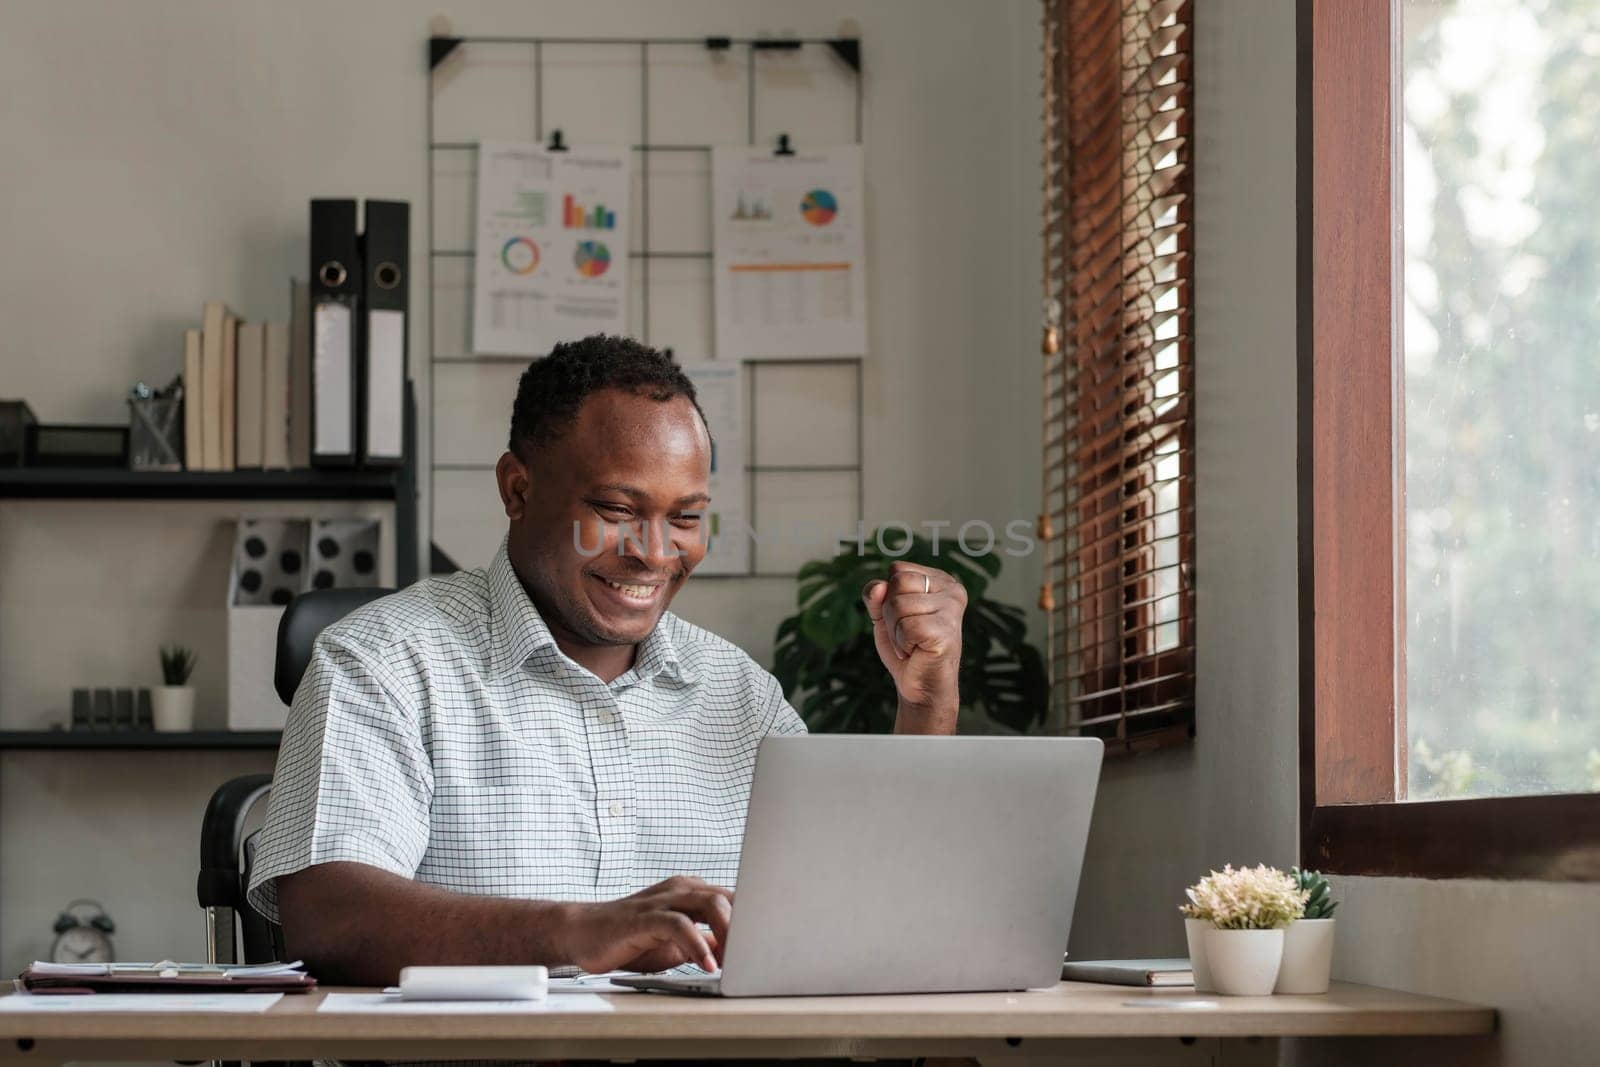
x=1118, y=513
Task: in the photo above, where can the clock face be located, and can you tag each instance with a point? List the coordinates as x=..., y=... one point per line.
x=81, y=944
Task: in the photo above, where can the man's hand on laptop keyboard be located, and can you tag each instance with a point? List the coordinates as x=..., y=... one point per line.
x=653, y=930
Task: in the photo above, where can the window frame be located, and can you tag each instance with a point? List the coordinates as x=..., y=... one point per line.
x=1350, y=418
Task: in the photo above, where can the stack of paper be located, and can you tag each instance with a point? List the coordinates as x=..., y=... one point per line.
x=166, y=976
x=167, y=969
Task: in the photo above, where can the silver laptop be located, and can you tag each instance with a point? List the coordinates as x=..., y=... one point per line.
x=905, y=865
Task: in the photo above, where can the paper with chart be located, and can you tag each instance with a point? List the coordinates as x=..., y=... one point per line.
x=788, y=237
x=719, y=387
x=551, y=256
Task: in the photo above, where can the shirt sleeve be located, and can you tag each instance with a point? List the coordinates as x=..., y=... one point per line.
x=353, y=782
x=782, y=719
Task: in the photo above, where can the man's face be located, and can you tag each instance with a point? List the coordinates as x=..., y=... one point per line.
x=607, y=521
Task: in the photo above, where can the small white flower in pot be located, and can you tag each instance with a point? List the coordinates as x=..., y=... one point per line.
x=172, y=704
x=1308, y=942
x=1241, y=916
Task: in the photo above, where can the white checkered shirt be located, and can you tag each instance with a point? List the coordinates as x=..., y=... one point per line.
x=440, y=734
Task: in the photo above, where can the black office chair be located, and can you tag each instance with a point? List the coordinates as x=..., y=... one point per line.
x=226, y=856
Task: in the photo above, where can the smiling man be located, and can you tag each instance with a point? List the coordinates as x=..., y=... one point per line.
x=538, y=762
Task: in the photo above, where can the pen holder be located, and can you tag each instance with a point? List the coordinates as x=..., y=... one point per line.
x=155, y=433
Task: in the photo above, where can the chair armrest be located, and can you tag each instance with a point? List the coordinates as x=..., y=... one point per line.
x=221, y=831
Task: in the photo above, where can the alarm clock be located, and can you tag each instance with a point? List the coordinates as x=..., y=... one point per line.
x=83, y=934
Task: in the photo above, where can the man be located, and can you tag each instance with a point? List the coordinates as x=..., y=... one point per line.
x=537, y=762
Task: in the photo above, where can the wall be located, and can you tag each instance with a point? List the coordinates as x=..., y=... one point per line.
x=161, y=154
x=1528, y=949
x=1227, y=798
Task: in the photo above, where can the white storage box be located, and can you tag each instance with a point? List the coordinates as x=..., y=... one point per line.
x=269, y=570
x=275, y=560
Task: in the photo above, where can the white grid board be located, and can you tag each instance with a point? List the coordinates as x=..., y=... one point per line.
x=671, y=101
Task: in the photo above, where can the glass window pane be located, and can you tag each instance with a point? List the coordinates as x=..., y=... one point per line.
x=1501, y=166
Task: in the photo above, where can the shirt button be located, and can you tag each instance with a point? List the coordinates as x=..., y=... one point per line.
x=616, y=808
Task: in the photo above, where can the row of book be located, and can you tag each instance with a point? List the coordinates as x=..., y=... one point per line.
x=326, y=389
x=247, y=391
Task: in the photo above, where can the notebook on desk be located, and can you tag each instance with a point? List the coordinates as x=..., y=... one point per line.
x=1154, y=973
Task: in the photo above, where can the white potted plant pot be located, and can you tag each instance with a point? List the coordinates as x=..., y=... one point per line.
x=1195, y=931
x=172, y=708
x=1307, y=957
x=1244, y=963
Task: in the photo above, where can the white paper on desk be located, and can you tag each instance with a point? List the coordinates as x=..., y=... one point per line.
x=123, y=1003
x=389, y=1004
x=590, y=983
x=73, y=970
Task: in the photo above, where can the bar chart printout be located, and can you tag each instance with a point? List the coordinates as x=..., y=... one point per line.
x=551, y=257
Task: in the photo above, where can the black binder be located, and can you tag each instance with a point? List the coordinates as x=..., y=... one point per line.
x=385, y=247
x=335, y=333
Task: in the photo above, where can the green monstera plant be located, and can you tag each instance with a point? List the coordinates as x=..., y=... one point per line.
x=827, y=664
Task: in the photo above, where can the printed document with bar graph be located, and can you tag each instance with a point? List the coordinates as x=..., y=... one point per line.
x=788, y=236
x=551, y=261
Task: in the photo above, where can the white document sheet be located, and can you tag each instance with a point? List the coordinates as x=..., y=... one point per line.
x=391, y=1004
x=591, y=983
x=123, y=1003
x=551, y=262
x=720, y=386
x=789, y=243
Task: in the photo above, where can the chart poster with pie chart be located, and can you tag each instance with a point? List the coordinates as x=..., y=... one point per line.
x=550, y=262
x=789, y=253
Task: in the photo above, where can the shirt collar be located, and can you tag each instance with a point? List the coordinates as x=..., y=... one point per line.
x=520, y=633
x=517, y=628
x=659, y=654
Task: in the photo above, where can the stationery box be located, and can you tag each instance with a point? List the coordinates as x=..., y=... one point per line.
x=275, y=560
x=343, y=554
x=269, y=569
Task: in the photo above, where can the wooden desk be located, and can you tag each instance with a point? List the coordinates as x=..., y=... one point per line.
x=1071, y=1020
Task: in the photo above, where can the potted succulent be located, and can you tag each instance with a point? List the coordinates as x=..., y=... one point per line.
x=1308, y=942
x=172, y=704
x=1243, y=914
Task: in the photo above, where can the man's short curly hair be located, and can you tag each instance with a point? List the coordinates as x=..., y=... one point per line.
x=553, y=388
